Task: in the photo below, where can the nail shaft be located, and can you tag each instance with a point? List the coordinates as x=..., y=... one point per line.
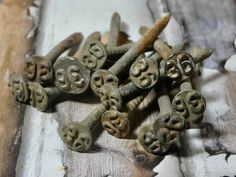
x=186, y=85
x=162, y=49
x=93, y=118
x=201, y=54
x=114, y=30
x=93, y=36
x=111, y=117
x=119, y=49
x=128, y=89
x=147, y=39
x=164, y=100
x=41, y=97
x=133, y=104
x=67, y=43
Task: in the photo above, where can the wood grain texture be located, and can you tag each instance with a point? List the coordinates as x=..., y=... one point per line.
x=213, y=142
x=210, y=24
x=43, y=153
x=15, y=24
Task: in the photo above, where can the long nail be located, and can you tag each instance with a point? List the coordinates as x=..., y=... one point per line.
x=78, y=135
x=112, y=97
x=119, y=123
x=114, y=30
x=179, y=66
x=40, y=68
x=190, y=104
x=165, y=132
x=114, y=72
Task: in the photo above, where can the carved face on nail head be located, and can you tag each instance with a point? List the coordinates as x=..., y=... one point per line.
x=116, y=123
x=77, y=137
x=110, y=97
x=38, y=96
x=191, y=105
x=179, y=66
x=39, y=69
x=101, y=77
x=71, y=76
x=157, y=141
x=18, y=87
x=94, y=55
x=173, y=121
x=144, y=73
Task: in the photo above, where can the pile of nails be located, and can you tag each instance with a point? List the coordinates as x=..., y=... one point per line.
x=121, y=76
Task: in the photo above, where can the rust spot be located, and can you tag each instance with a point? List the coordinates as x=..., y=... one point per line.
x=151, y=35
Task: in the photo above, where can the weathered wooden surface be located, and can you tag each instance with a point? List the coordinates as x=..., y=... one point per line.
x=15, y=24
x=208, y=23
x=204, y=150
x=207, y=151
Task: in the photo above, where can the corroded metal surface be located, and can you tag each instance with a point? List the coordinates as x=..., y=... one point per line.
x=77, y=137
x=144, y=73
x=111, y=97
x=116, y=123
x=179, y=66
x=158, y=141
x=40, y=97
x=71, y=76
x=40, y=68
x=114, y=30
x=19, y=88
x=123, y=64
x=191, y=105
x=94, y=55
x=102, y=77
x=119, y=123
x=157, y=138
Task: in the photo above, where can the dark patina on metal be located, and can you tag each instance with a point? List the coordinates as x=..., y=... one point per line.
x=19, y=87
x=160, y=136
x=190, y=104
x=71, y=76
x=78, y=135
x=40, y=68
x=129, y=57
x=42, y=98
x=118, y=123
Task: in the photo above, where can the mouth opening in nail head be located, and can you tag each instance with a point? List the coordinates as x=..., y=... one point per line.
x=172, y=136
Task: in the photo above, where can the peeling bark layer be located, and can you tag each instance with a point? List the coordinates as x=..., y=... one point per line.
x=14, y=27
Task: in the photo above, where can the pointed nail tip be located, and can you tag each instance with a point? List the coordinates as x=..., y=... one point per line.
x=165, y=19
x=167, y=16
x=210, y=51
